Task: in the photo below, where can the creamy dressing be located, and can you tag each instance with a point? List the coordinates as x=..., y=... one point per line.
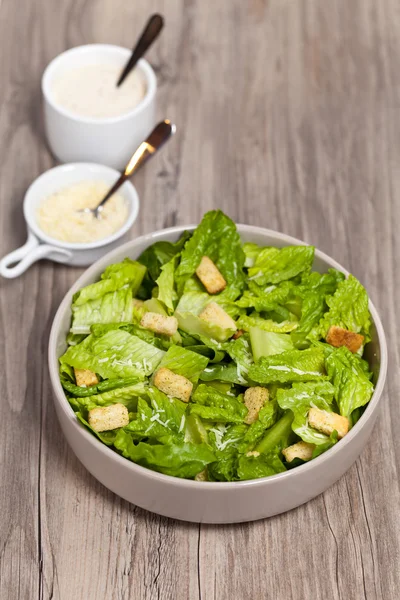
x=91, y=91
x=58, y=215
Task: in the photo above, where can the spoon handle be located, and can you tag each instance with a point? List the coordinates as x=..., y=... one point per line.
x=150, y=32
x=157, y=138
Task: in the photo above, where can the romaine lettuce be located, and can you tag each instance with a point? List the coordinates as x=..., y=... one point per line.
x=353, y=388
x=115, y=354
x=177, y=459
x=273, y=265
x=184, y=362
x=126, y=273
x=217, y=238
x=289, y=366
x=212, y=405
x=348, y=308
x=110, y=308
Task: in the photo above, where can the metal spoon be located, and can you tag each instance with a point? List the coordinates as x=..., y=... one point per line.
x=157, y=138
x=150, y=33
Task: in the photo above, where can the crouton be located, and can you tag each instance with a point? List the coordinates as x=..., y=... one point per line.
x=254, y=400
x=216, y=315
x=253, y=453
x=85, y=378
x=337, y=336
x=302, y=450
x=202, y=476
x=238, y=334
x=327, y=422
x=210, y=276
x=159, y=323
x=105, y=418
x=172, y=384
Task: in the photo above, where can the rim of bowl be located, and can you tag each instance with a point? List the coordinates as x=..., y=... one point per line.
x=143, y=65
x=58, y=171
x=210, y=485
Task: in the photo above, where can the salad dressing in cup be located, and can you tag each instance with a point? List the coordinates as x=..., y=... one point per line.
x=108, y=131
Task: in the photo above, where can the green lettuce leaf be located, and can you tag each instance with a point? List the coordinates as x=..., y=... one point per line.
x=154, y=257
x=75, y=338
x=110, y=308
x=273, y=265
x=266, y=298
x=177, y=460
x=299, y=399
x=254, y=467
x=184, y=362
x=223, y=372
x=267, y=343
x=163, y=421
x=313, y=292
x=210, y=404
x=293, y=365
x=160, y=341
x=277, y=437
x=104, y=386
x=321, y=448
x=239, y=350
x=254, y=320
x=166, y=285
x=217, y=238
x=251, y=251
x=267, y=417
x=348, y=308
x=127, y=395
x=115, y=354
x=195, y=432
x=126, y=273
x=353, y=387
x=225, y=440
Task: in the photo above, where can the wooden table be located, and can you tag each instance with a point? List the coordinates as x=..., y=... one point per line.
x=288, y=115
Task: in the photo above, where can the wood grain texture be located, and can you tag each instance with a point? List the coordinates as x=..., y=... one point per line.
x=288, y=117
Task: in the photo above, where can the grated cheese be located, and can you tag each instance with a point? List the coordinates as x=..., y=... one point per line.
x=58, y=214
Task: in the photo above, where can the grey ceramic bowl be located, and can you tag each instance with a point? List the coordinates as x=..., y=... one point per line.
x=210, y=502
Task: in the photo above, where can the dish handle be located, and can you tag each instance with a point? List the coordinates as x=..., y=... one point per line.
x=29, y=253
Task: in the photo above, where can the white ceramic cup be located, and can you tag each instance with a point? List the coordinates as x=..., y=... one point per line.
x=108, y=141
x=40, y=245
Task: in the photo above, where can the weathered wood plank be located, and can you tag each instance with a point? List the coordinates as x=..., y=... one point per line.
x=288, y=118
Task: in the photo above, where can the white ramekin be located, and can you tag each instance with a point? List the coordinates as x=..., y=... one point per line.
x=109, y=141
x=211, y=502
x=40, y=245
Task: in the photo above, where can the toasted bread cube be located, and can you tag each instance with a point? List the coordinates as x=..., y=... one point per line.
x=85, y=378
x=254, y=400
x=172, y=384
x=302, y=450
x=105, y=418
x=210, y=276
x=253, y=453
x=337, y=336
x=202, y=476
x=238, y=334
x=216, y=315
x=327, y=422
x=159, y=323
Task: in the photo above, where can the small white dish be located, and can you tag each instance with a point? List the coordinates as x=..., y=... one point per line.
x=211, y=502
x=108, y=141
x=40, y=245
